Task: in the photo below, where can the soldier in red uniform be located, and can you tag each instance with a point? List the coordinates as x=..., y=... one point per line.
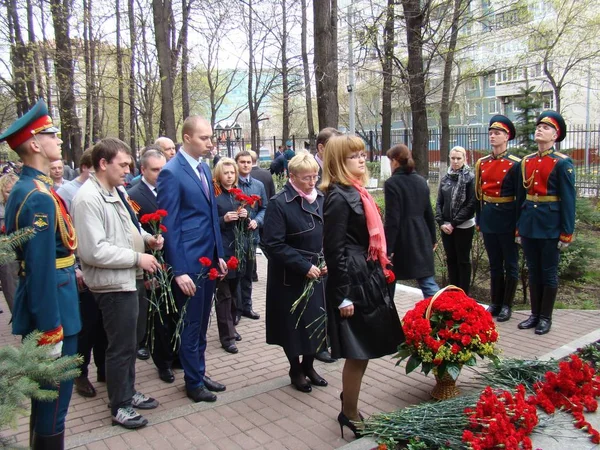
x=496, y=178
x=546, y=216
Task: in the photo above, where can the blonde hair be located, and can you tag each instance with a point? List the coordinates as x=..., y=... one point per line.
x=337, y=150
x=253, y=155
x=303, y=162
x=218, y=170
x=459, y=149
x=5, y=180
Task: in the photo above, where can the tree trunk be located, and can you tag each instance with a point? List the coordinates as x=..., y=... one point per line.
x=414, y=17
x=252, y=107
x=63, y=64
x=306, y=69
x=131, y=87
x=325, y=62
x=37, y=85
x=388, y=67
x=185, y=94
x=89, y=87
x=120, y=81
x=17, y=57
x=446, y=104
x=45, y=58
x=285, y=131
x=162, y=34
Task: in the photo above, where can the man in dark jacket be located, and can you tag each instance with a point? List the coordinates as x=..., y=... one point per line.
x=262, y=175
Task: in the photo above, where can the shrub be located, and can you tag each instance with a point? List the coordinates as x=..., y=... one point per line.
x=374, y=169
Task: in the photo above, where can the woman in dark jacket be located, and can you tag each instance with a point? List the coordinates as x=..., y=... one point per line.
x=362, y=317
x=455, y=214
x=293, y=242
x=409, y=224
x=225, y=176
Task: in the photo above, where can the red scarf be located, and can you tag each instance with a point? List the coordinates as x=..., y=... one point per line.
x=377, y=244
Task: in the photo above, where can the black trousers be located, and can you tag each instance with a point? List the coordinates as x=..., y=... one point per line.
x=120, y=314
x=458, y=256
x=160, y=339
x=225, y=308
x=92, y=336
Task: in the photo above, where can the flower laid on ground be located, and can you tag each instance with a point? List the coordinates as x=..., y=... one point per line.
x=162, y=300
x=573, y=389
x=500, y=420
x=244, y=237
x=446, y=332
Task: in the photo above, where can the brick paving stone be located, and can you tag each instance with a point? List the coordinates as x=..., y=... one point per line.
x=98, y=445
x=259, y=436
x=241, y=423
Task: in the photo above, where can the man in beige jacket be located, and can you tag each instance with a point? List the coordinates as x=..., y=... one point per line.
x=111, y=251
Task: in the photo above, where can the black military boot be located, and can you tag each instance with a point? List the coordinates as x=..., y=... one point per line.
x=496, y=294
x=548, y=300
x=53, y=442
x=510, y=288
x=535, y=294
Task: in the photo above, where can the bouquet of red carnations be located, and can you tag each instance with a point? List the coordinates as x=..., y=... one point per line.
x=445, y=332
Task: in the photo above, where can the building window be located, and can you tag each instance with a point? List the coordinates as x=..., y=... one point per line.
x=493, y=106
x=473, y=84
x=548, y=101
x=455, y=110
x=491, y=79
x=472, y=107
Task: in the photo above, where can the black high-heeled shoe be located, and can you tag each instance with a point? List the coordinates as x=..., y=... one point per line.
x=345, y=422
x=342, y=400
x=296, y=381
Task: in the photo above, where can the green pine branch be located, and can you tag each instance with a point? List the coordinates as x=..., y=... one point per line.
x=9, y=243
x=23, y=372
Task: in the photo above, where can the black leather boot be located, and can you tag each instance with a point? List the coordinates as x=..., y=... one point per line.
x=535, y=293
x=548, y=300
x=496, y=294
x=510, y=288
x=53, y=442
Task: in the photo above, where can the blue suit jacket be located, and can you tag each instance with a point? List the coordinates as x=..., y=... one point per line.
x=192, y=221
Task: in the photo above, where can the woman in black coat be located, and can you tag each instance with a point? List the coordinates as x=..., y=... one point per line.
x=362, y=317
x=293, y=242
x=409, y=223
x=225, y=176
x=455, y=214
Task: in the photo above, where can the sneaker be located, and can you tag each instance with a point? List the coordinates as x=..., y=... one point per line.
x=142, y=401
x=128, y=418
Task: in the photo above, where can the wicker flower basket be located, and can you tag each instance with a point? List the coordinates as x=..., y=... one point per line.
x=445, y=387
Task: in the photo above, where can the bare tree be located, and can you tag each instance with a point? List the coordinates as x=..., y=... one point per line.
x=120, y=79
x=307, y=80
x=326, y=62
x=63, y=63
x=388, y=76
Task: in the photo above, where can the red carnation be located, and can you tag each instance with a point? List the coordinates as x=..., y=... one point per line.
x=206, y=262
x=163, y=228
x=162, y=212
x=146, y=218
x=232, y=263
x=213, y=274
x=389, y=276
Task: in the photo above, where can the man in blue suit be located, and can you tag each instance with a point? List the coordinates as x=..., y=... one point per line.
x=186, y=192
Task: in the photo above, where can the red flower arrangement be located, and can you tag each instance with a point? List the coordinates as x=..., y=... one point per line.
x=574, y=388
x=500, y=420
x=446, y=332
x=154, y=219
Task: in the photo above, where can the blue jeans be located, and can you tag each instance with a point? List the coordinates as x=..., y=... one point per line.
x=428, y=286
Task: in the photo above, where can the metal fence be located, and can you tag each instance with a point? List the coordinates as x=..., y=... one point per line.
x=581, y=144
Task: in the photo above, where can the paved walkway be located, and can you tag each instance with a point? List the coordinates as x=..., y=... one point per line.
x=260, y=409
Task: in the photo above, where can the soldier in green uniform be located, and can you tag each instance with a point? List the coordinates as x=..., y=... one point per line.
x=46, y=297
